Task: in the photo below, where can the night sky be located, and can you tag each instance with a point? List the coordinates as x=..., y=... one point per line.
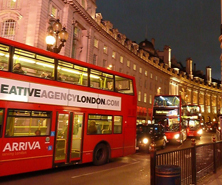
x=190, y=27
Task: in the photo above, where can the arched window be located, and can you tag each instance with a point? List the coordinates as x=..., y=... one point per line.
x=8, y=29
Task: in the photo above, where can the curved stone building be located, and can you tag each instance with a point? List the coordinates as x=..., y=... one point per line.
x=94, y=40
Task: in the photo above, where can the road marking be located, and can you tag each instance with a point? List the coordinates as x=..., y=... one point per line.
x=103, y=170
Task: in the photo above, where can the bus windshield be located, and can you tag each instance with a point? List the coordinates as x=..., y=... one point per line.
x=169, y=124
x=166, y=101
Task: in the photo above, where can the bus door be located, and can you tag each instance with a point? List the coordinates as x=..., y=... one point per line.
x=68, y=137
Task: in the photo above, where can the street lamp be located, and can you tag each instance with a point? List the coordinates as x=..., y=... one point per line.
x=56, y=33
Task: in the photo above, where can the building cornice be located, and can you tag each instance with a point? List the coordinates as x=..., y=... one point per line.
x=139, y=54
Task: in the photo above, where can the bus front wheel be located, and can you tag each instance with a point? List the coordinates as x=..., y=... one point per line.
x=101, y=154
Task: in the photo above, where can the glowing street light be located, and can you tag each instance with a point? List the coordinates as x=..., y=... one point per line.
x=56, y=33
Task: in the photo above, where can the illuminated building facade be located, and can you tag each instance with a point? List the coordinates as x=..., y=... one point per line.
x=94, y=40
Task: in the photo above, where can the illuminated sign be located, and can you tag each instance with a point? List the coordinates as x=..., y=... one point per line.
x=167, y=112
x=15, y=90
x=190, y=117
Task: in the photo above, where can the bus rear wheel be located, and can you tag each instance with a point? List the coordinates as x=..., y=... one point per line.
x=101, y=154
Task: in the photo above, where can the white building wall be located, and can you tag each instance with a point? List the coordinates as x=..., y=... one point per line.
x=32, y=22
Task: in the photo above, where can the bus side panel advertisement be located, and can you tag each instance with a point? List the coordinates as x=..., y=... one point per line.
x=14, y=90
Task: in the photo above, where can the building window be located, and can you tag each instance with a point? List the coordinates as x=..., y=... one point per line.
x=104, y=63
x=150, y=99
x=213, y=101
x=139, y=96
x=134, y=67
x=201, y=98
x=96, y=43
x=94, y=59
x=214, y=110
x=144, y=97
x=156, y=78
x=208, y=109
x=141, y=70
x=120, y=70
x=151, y=75
x=76, y=38
x=145, y=73
x=121, y=59
x=128, y=63
x=54, y=12
x=195, y=97
x=8, y=29
x=208, y=100
x=145, y=83
x=114, y=54
x=188, y=95
x=105, y=49
x=11, y=4
x=83, y=4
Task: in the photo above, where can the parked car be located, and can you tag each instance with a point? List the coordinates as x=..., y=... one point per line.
x=146, y=134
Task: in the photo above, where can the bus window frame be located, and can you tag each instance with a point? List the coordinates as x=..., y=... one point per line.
x=29, y=117
x=2, y=123
x=100, y=132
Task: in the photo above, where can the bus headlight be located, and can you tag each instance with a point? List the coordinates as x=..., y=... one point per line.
x=177, y=136
x=145, y=141
x=200, y=132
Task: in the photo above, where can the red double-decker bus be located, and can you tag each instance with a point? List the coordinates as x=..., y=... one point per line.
x=57, y=111
x=167, y=111
x=192, y=119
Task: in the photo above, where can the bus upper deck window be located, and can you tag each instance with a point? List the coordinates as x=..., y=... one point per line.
x=124, y=85
x=32, y=64
x=70, y=73
x=4, y=57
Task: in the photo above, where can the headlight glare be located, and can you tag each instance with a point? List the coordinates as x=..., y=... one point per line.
x=145, y=141
x=200, y=132
x=176, y=136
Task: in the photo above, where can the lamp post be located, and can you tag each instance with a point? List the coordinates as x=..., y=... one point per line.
x=56, y=33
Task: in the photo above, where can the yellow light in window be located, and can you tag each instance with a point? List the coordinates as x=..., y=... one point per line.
x=24, y=59
x=45, y=65
x=70, y=71
x=94, y=76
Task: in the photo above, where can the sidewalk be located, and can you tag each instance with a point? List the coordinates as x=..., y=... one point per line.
x=212, y=179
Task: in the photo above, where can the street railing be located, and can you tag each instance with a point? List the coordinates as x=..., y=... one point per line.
x=195, y=162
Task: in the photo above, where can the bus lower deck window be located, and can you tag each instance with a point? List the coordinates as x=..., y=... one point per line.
x=27, y=123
